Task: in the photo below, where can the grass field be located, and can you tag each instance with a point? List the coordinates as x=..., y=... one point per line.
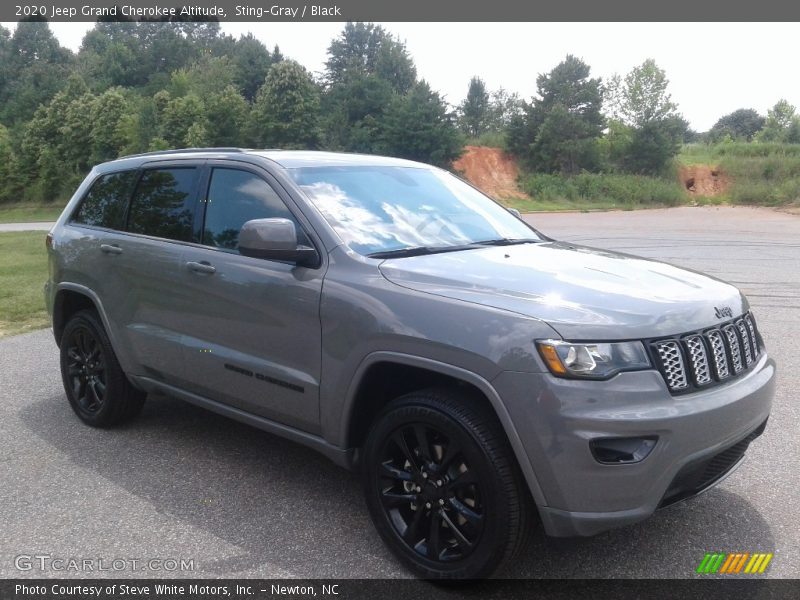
x=23, y=271
x=759, y=174
x=756, y=174
x=29, y=213
x=599, y=191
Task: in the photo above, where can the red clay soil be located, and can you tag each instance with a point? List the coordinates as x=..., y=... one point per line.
x=704, y=180
x=490, y=170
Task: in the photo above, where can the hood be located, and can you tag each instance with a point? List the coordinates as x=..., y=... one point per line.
x=583, y=293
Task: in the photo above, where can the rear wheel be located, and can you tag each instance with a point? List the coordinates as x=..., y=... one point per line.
x=443, y=488
x=96, y=387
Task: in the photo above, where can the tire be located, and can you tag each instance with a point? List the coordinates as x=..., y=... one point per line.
x=456, y=507
x=97, y=388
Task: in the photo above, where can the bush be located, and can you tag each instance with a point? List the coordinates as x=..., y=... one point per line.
x=628, y=191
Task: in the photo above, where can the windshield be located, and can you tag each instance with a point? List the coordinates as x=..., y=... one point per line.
x=385, y=209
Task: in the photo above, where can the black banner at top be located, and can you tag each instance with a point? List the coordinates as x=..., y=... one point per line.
x=266, y=11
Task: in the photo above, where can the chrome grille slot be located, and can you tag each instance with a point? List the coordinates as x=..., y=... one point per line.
x=753, y=337
x=698, y=360
x=674, y=370
x=715, y=341
x=734, y=348
x=745, y=335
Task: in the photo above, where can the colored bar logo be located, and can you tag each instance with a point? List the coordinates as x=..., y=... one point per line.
x=734, y=563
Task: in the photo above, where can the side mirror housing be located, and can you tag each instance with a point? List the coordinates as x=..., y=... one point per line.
x=275, y=239
x=515, y=212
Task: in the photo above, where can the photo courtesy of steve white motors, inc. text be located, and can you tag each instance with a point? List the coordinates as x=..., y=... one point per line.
x=54, y=11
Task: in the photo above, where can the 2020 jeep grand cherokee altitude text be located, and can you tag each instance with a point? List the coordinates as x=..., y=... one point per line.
x=391, y=316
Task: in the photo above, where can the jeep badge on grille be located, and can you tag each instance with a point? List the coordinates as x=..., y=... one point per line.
x=723, y=311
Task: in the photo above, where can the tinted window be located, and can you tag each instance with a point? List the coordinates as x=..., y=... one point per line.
x=164, y=203
x=104, y=205
x=235, y=197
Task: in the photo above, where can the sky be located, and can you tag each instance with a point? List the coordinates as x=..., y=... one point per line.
x=713, y=68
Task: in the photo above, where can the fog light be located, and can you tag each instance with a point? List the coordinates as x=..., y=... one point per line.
x=618, y=451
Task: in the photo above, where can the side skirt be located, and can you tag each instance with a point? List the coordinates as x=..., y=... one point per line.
x=341, y=457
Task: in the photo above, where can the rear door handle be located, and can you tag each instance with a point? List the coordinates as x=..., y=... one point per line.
x=201, y=267
x=109, y=249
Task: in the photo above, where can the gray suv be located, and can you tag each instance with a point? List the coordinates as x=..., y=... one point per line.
x=480, y=375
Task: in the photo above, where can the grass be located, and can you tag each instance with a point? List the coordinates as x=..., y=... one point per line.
x=493, y=139
x=760, y=174
x=23, y=271
x=29, y=213
x=598, y=191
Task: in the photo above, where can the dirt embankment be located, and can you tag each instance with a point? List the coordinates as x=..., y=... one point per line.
x=704, y=180
x=490, y=170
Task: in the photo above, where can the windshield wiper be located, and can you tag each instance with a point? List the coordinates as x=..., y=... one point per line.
x=421, y=251
x=508, y=242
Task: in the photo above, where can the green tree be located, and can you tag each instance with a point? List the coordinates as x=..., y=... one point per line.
x=286, y=110
x=566, y=119
x=108, y=134
x=178, y=116
x=368, y=49
x=251, y=62
x=654, y=144
x=503, y=107
x=644, y=95
x=645, y=129
x=209, y=75
x=75, y=143
x=45, y=133
x=9, y=187
x=474, y=112
x=793, y=131
x=779, y=120
x=36, y=69
x=741, y=124
x=353, y=112
x=226, y=112
x=5, y=59
x=418, y=126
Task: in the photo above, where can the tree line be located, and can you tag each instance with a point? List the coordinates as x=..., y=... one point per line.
x=628, y=124
x=140, y=86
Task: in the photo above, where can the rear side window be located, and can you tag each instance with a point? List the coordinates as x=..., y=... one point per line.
x=235, y=197
x=104, y=205
x=163, y=204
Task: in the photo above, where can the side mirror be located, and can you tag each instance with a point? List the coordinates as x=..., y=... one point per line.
x=515, y=212
x=275, y=239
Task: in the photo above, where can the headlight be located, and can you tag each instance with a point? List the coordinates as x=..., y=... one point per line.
x=592, y=361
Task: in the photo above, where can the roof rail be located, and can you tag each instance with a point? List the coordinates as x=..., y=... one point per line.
x=181, y=151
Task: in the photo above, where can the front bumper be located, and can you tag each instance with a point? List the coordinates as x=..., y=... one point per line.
x=557, y=418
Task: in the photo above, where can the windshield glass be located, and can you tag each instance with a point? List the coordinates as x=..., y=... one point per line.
x=384, y=209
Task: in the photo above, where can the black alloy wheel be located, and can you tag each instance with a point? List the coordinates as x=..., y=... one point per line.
x=430, y=494
x=96, y=386
x=86, y=368
x=443, y=487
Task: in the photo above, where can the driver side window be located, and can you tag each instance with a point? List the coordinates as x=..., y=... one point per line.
x=235, y=197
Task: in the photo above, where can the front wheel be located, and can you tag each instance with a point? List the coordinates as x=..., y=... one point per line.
x=443, y=487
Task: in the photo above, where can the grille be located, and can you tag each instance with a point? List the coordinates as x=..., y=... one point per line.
x=703, y=358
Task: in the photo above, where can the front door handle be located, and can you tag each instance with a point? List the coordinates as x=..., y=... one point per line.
x=201, y=267
x=109, y=249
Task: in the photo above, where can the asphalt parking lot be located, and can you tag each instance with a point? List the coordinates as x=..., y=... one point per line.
x=183, y=483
